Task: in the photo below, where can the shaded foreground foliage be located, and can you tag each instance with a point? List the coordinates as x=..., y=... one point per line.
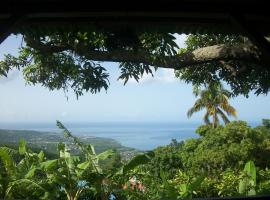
x=230, y=160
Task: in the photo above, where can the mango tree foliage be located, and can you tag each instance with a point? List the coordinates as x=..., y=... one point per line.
x=241, y=76
x=226, y=156
x=167, y=159
x=73, y=59
x=228, y=146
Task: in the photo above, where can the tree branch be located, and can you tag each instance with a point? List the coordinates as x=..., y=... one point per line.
x=48, y=48
x=222, y=52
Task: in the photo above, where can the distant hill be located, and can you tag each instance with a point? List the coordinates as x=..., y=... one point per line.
x=48, y=141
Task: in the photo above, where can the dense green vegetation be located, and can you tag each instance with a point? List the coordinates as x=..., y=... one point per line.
x=212, y=165
x=229, y=160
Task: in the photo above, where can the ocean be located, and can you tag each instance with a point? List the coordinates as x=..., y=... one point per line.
x=139, y=135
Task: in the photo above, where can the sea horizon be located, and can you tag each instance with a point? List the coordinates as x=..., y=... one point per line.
x=141, y=135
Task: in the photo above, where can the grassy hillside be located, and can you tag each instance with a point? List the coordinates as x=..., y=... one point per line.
x=48, y=141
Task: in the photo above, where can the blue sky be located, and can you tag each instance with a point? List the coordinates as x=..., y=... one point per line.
x=162, y=98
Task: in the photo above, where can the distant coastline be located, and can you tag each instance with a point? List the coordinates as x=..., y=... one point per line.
x=137, y=135
x=47, y=141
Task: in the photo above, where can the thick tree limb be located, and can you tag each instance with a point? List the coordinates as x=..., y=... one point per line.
x=222, y=52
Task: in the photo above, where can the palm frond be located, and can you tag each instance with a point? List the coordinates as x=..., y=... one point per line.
x=223, y=116
x=230, y=110
x=198, y=106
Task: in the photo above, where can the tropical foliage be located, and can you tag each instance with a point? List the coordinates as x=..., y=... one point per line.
x=67, y=177
x=239, y=75
x=229, y=160
x=72, y=59
x=219, y=163
x=215, y=99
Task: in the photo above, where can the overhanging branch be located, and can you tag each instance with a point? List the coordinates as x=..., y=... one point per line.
x=222, y=52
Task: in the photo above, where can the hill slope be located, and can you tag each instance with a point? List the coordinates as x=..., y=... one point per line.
x=48, y=141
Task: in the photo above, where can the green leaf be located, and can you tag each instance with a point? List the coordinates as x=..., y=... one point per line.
x=196, y=183
x=138, y=160
x=41, y=156
x=92, y=149
x=30, y=173
x=106, y=154
x=83, y=165
x=170, y=191
x=31, y=184
x=243, y=185
x=22, y=147
x=184, y=189
x=6, y=158
x=247, y=185
x=49, y=165
x=251, y=170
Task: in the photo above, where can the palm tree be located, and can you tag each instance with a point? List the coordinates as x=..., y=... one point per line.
x=215, y=99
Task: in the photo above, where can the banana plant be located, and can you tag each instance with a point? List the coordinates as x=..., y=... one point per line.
x=248, y=183
x=65, y=173
x=7, y=169
x=81, y=176
x=23, y=176
x=92, y=159
x=35, y=177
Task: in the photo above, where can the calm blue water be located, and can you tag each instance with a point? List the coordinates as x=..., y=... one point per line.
x=139, y=135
